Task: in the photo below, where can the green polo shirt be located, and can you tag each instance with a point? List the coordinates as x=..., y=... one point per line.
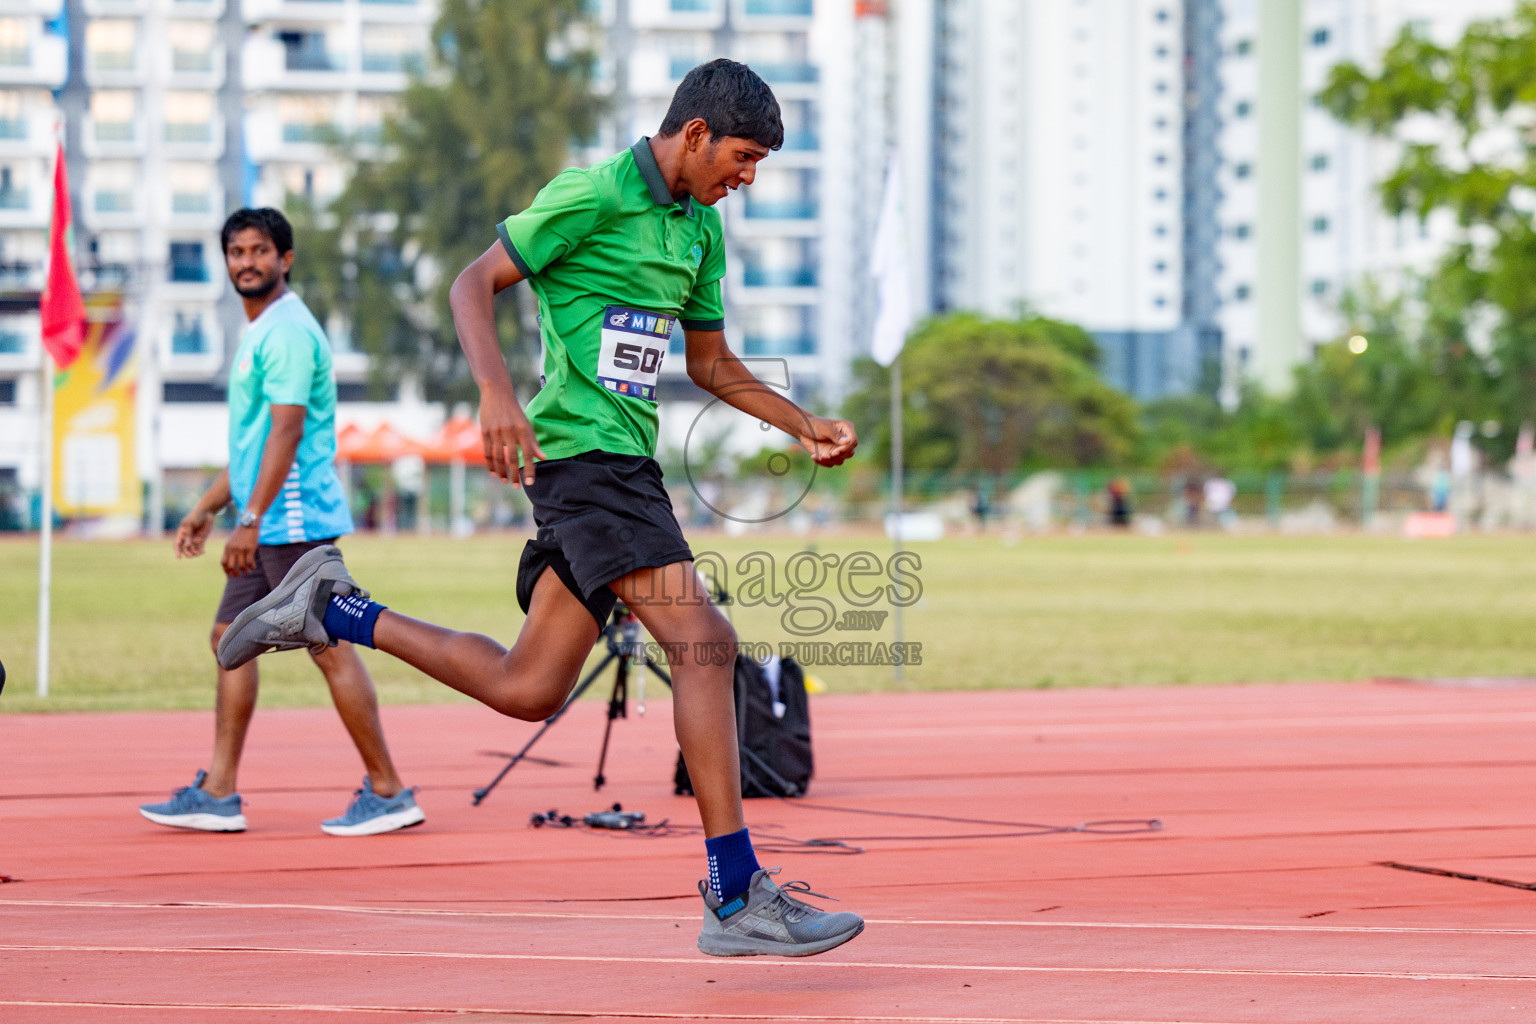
x=617, y=266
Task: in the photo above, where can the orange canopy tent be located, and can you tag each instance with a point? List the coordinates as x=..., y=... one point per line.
x=458, y=441
x=383, y=444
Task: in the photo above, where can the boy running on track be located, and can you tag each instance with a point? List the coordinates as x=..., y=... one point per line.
x=282, y=477
x=616, y=254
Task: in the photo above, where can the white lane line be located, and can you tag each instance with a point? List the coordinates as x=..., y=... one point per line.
x=1180, y=725
x=800, y=962
x=914, y=921
x=634, y=1014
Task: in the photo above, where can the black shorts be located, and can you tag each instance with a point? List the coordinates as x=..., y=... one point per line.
x=272, y=563
x=600, y=516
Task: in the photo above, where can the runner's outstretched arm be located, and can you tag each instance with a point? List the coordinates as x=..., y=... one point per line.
x=714, y=367
x=509, y=440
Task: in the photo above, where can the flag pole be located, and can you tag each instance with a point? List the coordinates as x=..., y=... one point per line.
x=45, y=555
x=897, y=489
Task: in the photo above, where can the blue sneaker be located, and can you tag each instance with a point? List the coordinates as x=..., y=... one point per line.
x=371, y=814
x=193, y=807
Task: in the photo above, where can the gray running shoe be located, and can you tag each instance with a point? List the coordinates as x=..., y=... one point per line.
x=292, y=615
x=766, y=919
x=371, y=814
x=193, y=807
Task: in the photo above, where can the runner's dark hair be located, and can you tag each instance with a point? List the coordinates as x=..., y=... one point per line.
x=265, y=219
x=268, y=221
x=731, y=99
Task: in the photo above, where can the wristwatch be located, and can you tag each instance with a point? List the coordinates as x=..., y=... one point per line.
x=248, y=518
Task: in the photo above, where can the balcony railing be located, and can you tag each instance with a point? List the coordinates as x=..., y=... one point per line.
x=114, y=131
x=189, y=132
x=789, y=72
x=779, y=277
x=189, y=271
x=781, y=209
x=192, y=60
x=313, y=60
x=407, y=63
x=112, y=60
x=794, y=345
x=191, y=202
x=113, y=202
x=189, y=340
x=319, y=134
x=780, y=8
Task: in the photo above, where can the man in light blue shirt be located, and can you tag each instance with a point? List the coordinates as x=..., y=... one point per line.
x=282, y=479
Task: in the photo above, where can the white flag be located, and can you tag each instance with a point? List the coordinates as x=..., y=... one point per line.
x=888, y=266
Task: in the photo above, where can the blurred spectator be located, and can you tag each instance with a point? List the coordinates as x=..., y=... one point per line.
x=1119, y=502
x=1219, y=492
x=1192, y=500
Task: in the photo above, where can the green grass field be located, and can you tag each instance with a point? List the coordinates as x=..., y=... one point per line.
x=131, y=622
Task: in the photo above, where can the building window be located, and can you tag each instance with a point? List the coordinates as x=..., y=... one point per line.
x=1320, y=161
x=1160, y=194
x=1160, y=52
x=1320, y=37
x=1160, y=159
x=1319, y=287
x=1319, y=225
x=1243, y=47
x=187, y=336
x=1241, y=293
x=1241, y=231
x=1243, y=108
x=1161, y=15
x=1242, y=170
x=1160, y=267
x=1160, y=230
x=1160, y=302
x=1161, y=124
x=1160, y=87
x=186, y=263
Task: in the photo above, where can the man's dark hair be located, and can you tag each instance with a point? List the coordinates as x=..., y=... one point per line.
x=731, y=99
x=268, y=221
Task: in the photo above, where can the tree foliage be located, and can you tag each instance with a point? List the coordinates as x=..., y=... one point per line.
x=1464, y=115
x=995, y=396
x=472, y=142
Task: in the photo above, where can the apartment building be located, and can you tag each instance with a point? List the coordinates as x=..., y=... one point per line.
x=34, y=55
x=1301, y=222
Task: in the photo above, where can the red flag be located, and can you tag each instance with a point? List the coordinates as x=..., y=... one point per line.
x=63, y=311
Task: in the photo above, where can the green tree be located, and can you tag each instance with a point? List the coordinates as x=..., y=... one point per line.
x=1480, y=94
x=997, y=395
x=473, y=141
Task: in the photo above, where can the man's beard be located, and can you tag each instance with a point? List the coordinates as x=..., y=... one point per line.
x=260, y=290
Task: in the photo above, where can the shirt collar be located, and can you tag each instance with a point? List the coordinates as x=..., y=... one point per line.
x=288, y=294
x=650, y=172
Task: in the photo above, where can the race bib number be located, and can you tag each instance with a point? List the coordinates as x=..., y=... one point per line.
x=634, y=343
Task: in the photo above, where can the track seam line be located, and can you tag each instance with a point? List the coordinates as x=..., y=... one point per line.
x=928, y=922
x=804, y=963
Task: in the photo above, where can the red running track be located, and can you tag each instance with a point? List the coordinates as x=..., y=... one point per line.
x=1263, y=899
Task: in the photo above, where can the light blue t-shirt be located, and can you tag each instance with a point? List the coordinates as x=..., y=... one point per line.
x=285, y=359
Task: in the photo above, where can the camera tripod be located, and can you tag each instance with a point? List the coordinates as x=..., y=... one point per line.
x=622, y=635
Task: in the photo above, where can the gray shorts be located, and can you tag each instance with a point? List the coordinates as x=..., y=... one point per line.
x=272, y=563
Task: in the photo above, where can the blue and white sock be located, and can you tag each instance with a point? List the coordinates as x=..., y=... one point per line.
x=731, y=864
x=351, y=618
